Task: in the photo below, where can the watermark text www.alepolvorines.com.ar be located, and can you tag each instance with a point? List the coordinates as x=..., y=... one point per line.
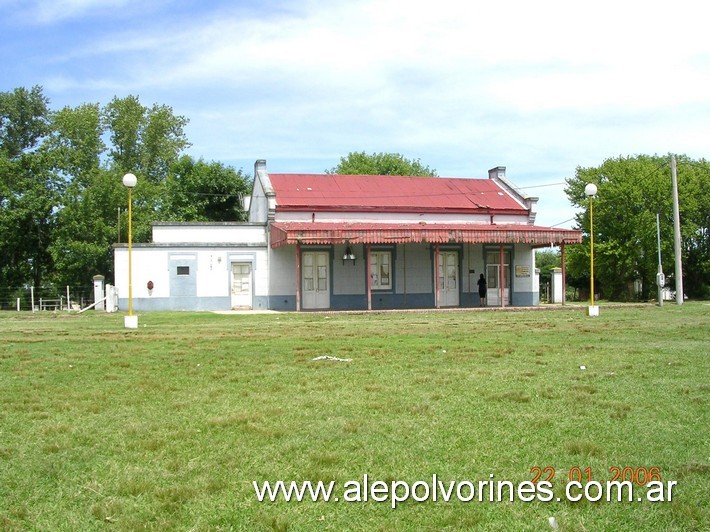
x=437, y=490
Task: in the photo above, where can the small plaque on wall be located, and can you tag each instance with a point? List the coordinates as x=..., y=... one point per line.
x=522, y=271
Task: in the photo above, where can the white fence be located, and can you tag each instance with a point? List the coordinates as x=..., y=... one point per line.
x=45, y=299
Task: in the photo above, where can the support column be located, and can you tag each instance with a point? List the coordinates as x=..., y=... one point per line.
x=404, y=272
x=564, y=273
x=557, y=285
x=436, y=276
x=368, y=274
x=298, y=277
x=502, y=276
x=679, y=293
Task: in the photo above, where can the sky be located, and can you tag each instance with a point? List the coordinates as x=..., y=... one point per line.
x=539, y=87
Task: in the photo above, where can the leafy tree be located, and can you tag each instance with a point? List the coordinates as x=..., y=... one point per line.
x=87, y=227
x=200, y=191
x=80, y=245
x=144, y=141
x=545, y=260
x=631, y=190
x=29, y=192
x=61, y=188
x=360, y=163
x=75, y=142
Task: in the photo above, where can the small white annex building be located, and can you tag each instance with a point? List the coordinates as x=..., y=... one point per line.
x=322, y=241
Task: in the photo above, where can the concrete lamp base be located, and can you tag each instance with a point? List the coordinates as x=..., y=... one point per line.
x=130, y=322
x=593, y=310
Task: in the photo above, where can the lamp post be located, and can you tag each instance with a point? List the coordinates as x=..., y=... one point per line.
x=130, y=321
x=591, y=190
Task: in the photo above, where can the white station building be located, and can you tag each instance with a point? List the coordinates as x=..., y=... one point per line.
x=348, y=242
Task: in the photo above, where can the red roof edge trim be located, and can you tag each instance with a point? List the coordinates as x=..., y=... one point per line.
x=291, y=233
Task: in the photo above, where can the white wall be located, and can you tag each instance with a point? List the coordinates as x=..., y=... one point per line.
x=149, y=264
x=414, y=269
x=209, y=233
x=525, y=257
x=349, y=278
x=394, y=217
x=283, y=271
x=212, y=275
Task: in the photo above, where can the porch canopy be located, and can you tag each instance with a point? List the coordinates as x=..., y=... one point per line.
x=286, y=233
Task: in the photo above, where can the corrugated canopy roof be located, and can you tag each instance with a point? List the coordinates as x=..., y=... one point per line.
x=321, y=192
x=285, y=233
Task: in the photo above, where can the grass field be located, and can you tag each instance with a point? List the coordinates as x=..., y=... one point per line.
x=167, y=427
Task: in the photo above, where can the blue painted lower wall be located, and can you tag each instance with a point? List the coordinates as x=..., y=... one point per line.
x=380, y=301
x=525, y=299
x=143, y=304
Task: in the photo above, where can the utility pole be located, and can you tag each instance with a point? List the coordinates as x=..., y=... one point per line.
x=676, y=236
x=660, y=278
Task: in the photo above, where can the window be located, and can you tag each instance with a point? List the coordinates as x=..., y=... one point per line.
x=380, y=270
x=183, y=270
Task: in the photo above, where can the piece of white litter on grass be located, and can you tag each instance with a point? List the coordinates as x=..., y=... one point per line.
x=553, y=523
x=582, y=367
x=335, y=359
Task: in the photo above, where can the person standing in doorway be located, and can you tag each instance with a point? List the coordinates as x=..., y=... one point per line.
x=482, y=289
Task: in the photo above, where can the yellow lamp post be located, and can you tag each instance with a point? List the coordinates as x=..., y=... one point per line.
x=130, y=321
x=591, y=190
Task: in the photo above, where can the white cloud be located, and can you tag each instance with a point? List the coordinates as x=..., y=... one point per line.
x=54, y=11
x=540, y=87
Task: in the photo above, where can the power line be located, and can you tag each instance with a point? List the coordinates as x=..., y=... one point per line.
x=545, y=185
x=560, y=223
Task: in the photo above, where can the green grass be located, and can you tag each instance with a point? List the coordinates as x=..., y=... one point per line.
x=166, y=427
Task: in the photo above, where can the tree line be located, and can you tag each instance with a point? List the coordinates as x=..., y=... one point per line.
x=61, y=196
x=62, y=201
x=631, y=191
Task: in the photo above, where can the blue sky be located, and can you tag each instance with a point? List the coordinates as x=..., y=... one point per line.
x=539, y=87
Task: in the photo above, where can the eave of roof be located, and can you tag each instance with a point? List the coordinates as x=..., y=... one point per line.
x=289, y=233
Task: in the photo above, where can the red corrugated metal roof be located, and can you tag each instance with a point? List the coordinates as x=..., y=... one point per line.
x=321, y=192
x=285, y=233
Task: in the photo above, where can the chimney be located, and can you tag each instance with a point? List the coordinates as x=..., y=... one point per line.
x=498, y=171
x=260, y=164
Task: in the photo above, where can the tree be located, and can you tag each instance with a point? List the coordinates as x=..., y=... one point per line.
x=61, y=191
x=29, y=192
x=545, y=260
x=87, y=228
x=75, y=142
x=200, y=191
x=631, y=190
x=144, y=141
x=359, y=163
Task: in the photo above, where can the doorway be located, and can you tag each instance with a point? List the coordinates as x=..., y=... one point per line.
x=241, y=293
x=448, y=279
x=493, y=278
x=315, y=280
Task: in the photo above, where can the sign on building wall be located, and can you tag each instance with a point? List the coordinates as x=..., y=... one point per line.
x=522, y=271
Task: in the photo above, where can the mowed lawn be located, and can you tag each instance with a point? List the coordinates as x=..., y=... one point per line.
x=167, y=426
